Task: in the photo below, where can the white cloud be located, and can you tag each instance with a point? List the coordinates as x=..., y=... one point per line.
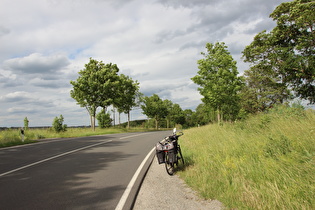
x=157, y=42
x=36, y=63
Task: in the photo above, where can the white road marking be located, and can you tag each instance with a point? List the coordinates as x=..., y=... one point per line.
x=54, y=157
x=134, y=135
x=124, y=197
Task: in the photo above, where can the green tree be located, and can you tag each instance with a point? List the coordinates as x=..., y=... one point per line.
x=177, y=114
x=289, y=49
x=26, y=123
x=127, y=94
x=263, y=90
x=218, y=79
x=58, y=125
x=189, y=121
x=154, y=108
x=204, y=114
x=104, y=120
x=168, y=104
x=95, y=87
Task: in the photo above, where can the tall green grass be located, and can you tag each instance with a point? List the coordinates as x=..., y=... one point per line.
x=265, y=162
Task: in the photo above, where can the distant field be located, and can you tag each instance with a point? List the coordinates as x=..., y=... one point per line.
x=265, y=162
x=10, y=137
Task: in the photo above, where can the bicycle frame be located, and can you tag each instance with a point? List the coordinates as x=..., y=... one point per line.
x=172, y=157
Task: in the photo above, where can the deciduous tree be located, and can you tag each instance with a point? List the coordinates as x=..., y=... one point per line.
x=154, y=108
x=289, y=49
x=218, y=80
x=95, y=87
x=127, y=93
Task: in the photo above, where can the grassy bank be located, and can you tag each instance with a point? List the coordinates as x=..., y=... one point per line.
x=265, y=162
x=11, y=137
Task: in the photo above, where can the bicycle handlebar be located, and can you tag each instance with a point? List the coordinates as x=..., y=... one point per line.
x=175, y=137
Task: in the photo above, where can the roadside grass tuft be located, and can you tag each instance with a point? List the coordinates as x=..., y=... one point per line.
x=265, y=162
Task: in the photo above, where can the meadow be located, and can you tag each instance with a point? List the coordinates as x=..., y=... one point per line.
x=11, y=137
x=264, y=162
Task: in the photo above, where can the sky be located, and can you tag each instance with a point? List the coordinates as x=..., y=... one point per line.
x=45, y=43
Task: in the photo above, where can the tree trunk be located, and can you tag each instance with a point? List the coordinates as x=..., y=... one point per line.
x=92, y=114
x=219, y=116
x=119, y=119
x=129, y=120
x=156, y=123
x=93, y=121
x=114, y=116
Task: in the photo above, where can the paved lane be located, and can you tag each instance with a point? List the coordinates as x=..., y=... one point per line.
x=78, y=173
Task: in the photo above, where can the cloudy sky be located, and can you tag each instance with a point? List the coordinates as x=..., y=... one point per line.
x=44, y=43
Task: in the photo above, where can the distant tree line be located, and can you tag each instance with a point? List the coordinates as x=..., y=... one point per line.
x=100, y=85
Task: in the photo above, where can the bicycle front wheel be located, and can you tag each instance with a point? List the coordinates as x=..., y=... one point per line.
x=168, y=166
x=181, y=155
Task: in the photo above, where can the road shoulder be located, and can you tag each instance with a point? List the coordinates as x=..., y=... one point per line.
x=161, y=191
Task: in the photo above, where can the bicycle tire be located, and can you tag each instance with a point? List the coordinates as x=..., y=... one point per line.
x=181, y=155
x=169, y=166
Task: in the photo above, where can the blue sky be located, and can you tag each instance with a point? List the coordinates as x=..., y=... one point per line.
x=44, y=43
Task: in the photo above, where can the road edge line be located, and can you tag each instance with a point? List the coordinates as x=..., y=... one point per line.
x=124, y=197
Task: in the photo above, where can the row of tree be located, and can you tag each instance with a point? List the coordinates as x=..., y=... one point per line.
x=282, y=67
x=100, y=85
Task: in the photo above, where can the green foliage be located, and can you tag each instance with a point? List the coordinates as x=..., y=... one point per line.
x=277, y=147
x=204, y=115
x=218, y=81
x=127, y=95
x=155, y=108
x=104, y=120
x=58, y=125
x=96, y=87
x=175, y=114
x=26, y=123
x=287, y=53
x=127, y=92
x=263, y=89
x=249, y=166
x=99, y=85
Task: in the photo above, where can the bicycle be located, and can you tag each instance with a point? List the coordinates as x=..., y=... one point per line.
x=168, y=151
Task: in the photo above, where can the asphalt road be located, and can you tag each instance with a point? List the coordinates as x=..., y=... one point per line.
x=77, y=173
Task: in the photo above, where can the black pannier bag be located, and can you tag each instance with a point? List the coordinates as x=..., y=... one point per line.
x=160, y=154
x=171, y=156
x=161, y=146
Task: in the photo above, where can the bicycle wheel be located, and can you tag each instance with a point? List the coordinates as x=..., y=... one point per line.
x=169, y=166
x=181, y=155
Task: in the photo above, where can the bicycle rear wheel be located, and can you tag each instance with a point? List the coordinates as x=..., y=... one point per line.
x=168, y=166
x=181, y=155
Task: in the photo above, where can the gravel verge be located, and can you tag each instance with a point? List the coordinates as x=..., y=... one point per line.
x=162, y=191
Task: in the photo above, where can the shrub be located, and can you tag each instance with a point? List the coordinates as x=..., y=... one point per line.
x=104, y=120
x=58, y=125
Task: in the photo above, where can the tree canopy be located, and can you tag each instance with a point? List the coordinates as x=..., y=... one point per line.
x=288, y=51
x=218, y=80
x=155, y=108
x=99, y=85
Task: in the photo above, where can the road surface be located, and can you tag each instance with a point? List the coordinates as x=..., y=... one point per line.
x=76, y=173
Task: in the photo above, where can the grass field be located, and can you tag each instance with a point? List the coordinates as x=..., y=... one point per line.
x=265, y=162
x=11, y=137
